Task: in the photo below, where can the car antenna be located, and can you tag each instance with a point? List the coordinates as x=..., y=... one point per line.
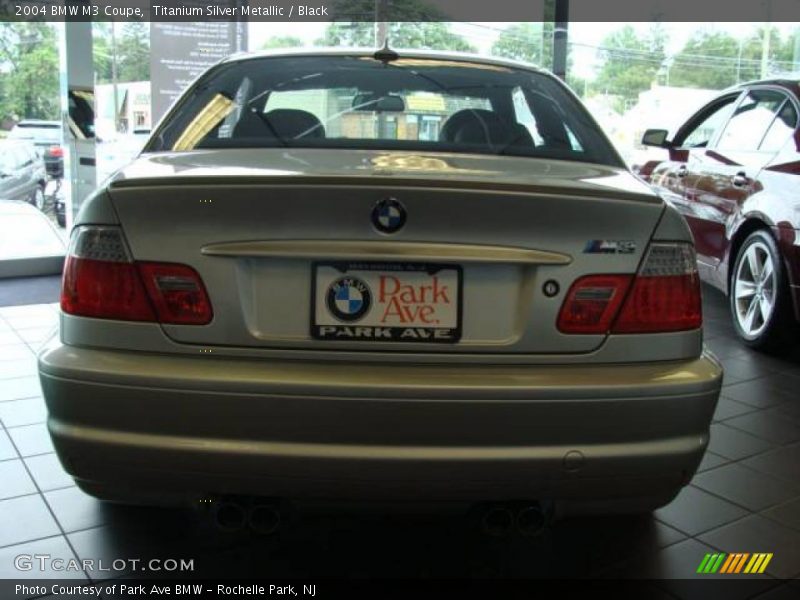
x=386, y=54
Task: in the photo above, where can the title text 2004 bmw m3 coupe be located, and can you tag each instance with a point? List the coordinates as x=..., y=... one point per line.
x=358, y=276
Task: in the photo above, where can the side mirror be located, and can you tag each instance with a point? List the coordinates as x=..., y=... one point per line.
x=655, y=137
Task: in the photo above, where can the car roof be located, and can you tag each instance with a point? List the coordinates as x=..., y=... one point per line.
x=402, y=53
x=790, y=81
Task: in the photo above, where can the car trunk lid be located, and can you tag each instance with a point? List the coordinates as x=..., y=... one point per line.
x=271, y=231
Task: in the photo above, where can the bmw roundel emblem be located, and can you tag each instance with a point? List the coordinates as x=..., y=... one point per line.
x=389, y=215
x=348, y=299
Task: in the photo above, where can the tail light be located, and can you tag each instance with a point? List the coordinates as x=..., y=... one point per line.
x=663, y=296
x=592, y=303
x=101, y=280
x=56, y=151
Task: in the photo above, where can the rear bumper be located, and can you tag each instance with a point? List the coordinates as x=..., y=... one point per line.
x=189, y=427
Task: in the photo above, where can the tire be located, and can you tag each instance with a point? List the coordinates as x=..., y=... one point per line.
x=37, y=197
x=761, y=308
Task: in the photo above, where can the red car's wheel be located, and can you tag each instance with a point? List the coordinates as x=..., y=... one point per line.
x=759, y=295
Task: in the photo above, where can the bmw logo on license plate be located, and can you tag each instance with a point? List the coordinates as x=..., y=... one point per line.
x=389, y=215
x=348, y=299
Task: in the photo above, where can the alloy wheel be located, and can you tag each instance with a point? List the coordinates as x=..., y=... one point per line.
x=754, y=289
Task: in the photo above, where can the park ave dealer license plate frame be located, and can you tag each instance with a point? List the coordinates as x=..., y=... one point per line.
x=386, y=302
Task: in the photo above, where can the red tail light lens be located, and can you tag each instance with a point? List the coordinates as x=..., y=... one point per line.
x=102, y=281
x=592, y=303
x=177, y=293
x=56, y=151
x=666, y=293
x=104, y=290
x=664, y=296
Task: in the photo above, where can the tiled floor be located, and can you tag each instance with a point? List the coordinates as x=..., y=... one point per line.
x=746, y=498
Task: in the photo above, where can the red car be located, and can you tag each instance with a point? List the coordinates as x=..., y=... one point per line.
x=734, y=173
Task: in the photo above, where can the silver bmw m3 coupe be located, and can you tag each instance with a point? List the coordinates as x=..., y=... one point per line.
x=360, y=276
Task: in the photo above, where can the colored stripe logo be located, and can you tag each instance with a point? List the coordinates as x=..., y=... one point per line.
x=735, y=563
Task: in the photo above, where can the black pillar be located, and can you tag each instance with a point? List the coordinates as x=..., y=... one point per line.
x=561, y=21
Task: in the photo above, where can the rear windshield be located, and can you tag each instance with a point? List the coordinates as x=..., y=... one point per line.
x=406, y=104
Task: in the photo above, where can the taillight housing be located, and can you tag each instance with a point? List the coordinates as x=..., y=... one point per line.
x=56, y=151
x=102, y=281
x=592, y=304
x=663, y=296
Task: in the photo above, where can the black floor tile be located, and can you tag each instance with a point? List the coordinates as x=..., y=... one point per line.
x=711, y=461
x=595, y=544
x=787, y=513
x=782, y=462
x=741, y=367
x=679, y=561
x=24, y=519
x=789, y=409
x=746, y=487
x=759, y=534
x=760, y=393
x=695, y=511
x=728, y=408
x=734, y=444
x=47, y=472
x=769, y=427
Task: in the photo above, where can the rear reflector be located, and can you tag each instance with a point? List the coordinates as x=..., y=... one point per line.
x=664, y=296
x=102, y=281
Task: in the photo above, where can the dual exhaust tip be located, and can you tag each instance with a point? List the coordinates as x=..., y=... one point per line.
x=529, y=520
x=231, y=515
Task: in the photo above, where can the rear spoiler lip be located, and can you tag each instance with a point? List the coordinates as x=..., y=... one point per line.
x=380, y=181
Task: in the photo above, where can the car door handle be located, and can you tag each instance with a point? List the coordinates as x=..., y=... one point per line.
x=740, y=179
x=682, y=171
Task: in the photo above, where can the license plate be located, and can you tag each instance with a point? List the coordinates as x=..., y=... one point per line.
x=386, y=302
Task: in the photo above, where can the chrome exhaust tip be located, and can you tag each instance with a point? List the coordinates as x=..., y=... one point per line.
x=264, y=519
x=497, y=521
x=229, y=516
x=531, y=520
